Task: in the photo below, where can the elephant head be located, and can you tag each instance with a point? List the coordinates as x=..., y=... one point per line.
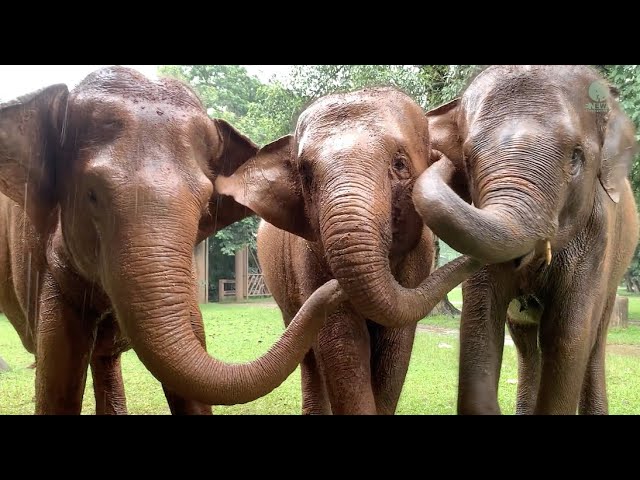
x=344, y=179
x=534, y=150
x=119, y=174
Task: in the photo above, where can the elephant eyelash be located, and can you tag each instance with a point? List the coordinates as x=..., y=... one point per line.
x=577, y=160
x=578, y=155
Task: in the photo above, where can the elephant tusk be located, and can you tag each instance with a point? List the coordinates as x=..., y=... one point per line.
x=548, y=252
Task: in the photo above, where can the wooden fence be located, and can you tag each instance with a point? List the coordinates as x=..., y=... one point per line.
x=255, y=287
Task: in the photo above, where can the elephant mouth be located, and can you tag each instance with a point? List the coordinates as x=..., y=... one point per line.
x=541, y=254
x=521, y=262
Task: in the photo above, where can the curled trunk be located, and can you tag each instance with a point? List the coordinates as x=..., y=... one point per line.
x=493, y=234
x=154, y=298
x=356, y=234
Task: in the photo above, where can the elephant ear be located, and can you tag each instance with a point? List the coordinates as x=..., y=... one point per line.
x=618, y=150
x=233, y=150
x=445, y=140
x=236, y=148
x=269, y=185
x=31, y=132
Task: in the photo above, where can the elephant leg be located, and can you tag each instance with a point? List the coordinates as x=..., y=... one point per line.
x=525, y=338
x=108, y=385
x=345, y=355
x=565, y=341
x=315, y=399
x=484, y=312
x=390, y=354
x=64, y=344
x=593, y=398
x=183, y=406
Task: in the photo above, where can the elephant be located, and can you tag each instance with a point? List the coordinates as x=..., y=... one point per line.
x=545, y=167
x=335, y=199
x=106, y=190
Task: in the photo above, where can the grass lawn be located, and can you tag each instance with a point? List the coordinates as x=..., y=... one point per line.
x=241, y=332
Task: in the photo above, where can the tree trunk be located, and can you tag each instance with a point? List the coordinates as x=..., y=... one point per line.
x=629, y=283
x=620, y=313
x=444, y=307
x=635, y=283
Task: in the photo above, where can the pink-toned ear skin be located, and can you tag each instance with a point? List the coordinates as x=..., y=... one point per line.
x=235, y=149
x=267, y=184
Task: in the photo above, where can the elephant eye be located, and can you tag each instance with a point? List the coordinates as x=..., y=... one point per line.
x=577, y=159
x=400, y=165
x=91, y=195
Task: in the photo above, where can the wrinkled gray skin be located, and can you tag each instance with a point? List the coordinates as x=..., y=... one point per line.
x=541, y=160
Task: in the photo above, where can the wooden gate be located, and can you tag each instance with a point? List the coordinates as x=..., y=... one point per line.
x=256, y=286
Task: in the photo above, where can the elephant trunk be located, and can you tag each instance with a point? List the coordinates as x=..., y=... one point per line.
x=151, y=286
x=356, y=235
x=510, y=224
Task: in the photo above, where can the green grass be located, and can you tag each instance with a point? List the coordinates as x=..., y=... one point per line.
x=624, y=336
x=441, y=321
x=623, y=291
x=455, y=296
x=241, y=332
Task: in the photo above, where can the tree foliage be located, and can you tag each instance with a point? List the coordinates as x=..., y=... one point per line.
x=429, y=85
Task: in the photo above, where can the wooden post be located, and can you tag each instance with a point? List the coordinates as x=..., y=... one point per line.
x=238, y=275
x=620, y=312
x=245, y=272
x=200, y=255
x=242, y=273
x=220, y=290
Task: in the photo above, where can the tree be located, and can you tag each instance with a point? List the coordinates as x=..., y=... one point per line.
x=272, y=115
x=227, y=91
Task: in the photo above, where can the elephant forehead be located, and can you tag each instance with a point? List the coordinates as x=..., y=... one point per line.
x=127, y=84
x=330, y=142
x=109, y=108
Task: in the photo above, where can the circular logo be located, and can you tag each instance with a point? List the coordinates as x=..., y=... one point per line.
x=598, y=91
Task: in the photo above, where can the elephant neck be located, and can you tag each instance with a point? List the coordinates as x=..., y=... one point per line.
x=317, y=253
x=74, y=287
